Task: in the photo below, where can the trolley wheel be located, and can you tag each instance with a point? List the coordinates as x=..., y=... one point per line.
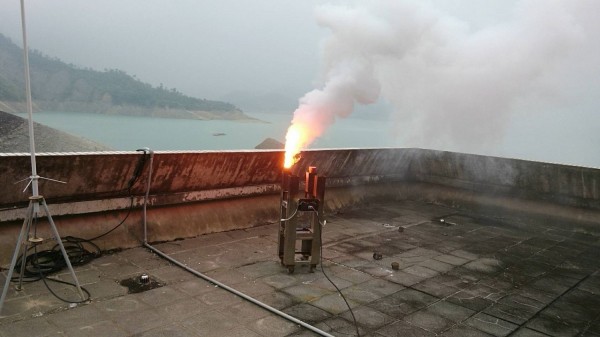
x=290, y=269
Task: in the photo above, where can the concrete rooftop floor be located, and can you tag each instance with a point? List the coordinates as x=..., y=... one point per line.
x=473, y=275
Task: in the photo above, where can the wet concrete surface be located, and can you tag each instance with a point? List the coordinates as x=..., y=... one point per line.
x=471, y=275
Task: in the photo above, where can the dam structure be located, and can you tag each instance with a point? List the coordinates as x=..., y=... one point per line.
x=419, y=243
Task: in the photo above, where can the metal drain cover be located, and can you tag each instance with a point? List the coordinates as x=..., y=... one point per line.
x=140, y=283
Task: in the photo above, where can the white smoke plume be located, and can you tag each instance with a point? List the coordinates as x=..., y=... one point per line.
x=449, y=85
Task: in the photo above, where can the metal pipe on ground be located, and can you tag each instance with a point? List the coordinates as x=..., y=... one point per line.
x=240, y=294
x=209, y=279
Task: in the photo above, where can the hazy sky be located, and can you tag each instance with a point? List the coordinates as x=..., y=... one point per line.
x=203, y=48
x=210, y=49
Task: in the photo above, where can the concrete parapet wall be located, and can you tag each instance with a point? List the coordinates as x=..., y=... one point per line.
x=97, y=182
x=520, y=179
x=194, y=193
x=105, y=175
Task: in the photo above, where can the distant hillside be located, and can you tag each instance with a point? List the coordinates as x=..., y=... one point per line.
x=14, y=137
x=270, y=144
x=58, y=86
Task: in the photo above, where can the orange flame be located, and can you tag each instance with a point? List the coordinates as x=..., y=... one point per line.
x=295, y=139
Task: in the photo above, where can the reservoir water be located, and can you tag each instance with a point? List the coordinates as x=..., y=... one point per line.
x=527, y=137
x=129, y=133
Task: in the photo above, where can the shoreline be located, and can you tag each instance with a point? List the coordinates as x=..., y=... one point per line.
x=241, y=119
x=104, y=108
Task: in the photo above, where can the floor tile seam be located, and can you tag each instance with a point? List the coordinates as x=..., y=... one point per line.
x=508, y=314
x=260, y=333
x=443, y=299
x=537, y=314
x=117, y=321
x=530, y=328
x=51, y=311
x=108, y=298
x=363, y=325
x=58, y=328
x=518, y=326
x=349, y=267
x=508, y=293
x=589, y=324
x=436, y=273
x=64, y=330
x=113, y=324
x=8, y=320
x=351, y=220
x=197, y=331
x=266, y=313
x=176, y=325
x=359, y=237
x=437, y=333
x=367, y=304
x=400, y=320
x=209, y=245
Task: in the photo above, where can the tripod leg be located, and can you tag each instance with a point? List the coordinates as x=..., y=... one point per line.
x=23, y=262
x=16, y=254
x=26, y=246
x=62, y=249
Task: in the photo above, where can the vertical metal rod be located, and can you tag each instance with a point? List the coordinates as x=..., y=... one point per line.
x=148, y=182
x=34, y=175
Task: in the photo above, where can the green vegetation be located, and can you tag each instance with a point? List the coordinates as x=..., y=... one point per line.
x=54, y=81
x=10, y=92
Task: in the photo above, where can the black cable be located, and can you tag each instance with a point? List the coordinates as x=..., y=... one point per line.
x=39, y=265
x=44, y=278
x=117, y=226
x=51, y=260
x=327, y=277
x=67, y=283
x=134, y=178
x=137, y=171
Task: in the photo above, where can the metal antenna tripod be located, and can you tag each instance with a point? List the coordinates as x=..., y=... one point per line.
x=36, y=199
x=25, y=239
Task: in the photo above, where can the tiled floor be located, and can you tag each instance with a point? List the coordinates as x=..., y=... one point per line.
x=471, y=275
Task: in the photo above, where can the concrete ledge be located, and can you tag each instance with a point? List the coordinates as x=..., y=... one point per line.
x=110, y=204
x=560, y=184
x=115, y=204
x=500, y=205
x=105, y=175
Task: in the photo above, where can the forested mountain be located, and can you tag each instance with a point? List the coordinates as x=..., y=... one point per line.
x=56, y=85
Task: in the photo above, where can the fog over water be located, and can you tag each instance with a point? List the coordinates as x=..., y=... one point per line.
x=507, y=78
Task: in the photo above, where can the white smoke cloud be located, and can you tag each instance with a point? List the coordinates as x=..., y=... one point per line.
x=450, y=86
